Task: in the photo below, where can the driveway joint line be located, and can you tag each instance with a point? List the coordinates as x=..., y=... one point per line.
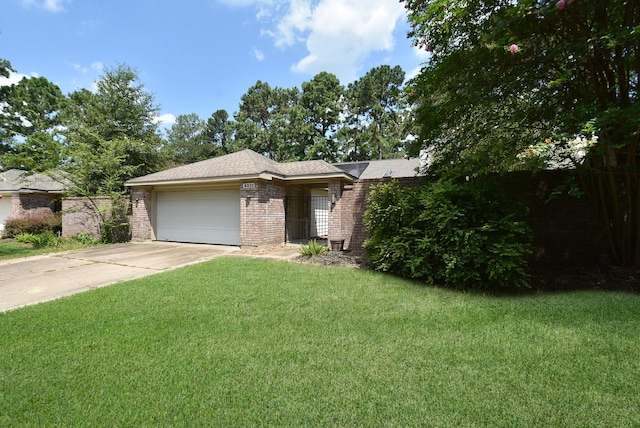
x=109, y=263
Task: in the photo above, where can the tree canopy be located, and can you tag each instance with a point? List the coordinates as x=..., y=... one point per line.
x=30, y=119
x=378, y=110
x=112, y=135
x=5, y=67
x=42, y=129
x=511, y=82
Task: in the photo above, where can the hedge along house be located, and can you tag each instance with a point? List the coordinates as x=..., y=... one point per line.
x=24, y=195
x=242, y=199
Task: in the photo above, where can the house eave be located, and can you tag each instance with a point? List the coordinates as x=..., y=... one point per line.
x=238, y=178
x=31, y=191
x=187, y=181
x=327, y=176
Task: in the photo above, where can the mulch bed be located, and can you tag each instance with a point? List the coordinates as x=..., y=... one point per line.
x=332, y=258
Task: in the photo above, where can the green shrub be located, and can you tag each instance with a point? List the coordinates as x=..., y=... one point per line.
x=313, y=249
x=462, y=235
x=40, y=240
x=113, y=232
x=33, y=225
x=85, y=238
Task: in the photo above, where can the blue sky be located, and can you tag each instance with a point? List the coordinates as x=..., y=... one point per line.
x=198, y=56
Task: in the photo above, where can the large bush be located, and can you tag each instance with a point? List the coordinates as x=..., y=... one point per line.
x=33, y=225
x=469, y=234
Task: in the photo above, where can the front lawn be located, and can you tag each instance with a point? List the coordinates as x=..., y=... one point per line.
x=246, y=342
x=13, y=250
x=10, y=249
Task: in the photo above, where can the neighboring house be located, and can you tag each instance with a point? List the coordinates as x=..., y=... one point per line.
x=24, y=195
x=249, y=200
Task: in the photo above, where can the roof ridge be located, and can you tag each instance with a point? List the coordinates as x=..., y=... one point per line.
x=261, y=162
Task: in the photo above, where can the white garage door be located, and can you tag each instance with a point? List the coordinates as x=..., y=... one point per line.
x=5, y=210
x=202, y=216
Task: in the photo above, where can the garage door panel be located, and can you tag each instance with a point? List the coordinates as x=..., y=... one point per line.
x=5, y=211
x=203, y=216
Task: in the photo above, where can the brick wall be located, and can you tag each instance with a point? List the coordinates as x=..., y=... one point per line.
x=141, y=204
x=339, y=227
x=262, y=214
x=79, y=215
x=354, y=203
x=26, y=205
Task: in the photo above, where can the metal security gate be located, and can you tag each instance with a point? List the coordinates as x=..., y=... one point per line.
x=306, y=217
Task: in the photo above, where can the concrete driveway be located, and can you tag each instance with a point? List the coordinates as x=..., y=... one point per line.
x=41, y=278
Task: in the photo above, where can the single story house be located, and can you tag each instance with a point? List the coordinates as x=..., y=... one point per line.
x=24, y=195
x=249, y=200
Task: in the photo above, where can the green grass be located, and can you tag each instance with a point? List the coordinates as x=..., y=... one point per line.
x=245, y=342
x=14, y=250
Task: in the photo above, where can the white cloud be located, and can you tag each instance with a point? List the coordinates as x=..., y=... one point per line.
x=14, y=78
x=343, y=33
x=299, y=19
x=413, y=73
x=97, y=66
x=50, y=5
x=166, y=119
x=423, y=56
x=258, y=54
x=88, y=75
x=339, y=35
x=421, y=53
x=93, y=67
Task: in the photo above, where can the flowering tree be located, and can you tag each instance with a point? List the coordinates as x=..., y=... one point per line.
x=510, y=80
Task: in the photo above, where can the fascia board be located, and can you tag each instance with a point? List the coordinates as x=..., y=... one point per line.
x=202, y=180
x=317, y=176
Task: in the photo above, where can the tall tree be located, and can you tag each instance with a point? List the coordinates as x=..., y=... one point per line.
x=218, y=132
x=186, y=140
x=5, y=68
x=5, y=136
x=32, y=105
x=507, y=79
x=322, y=99
x=122, y=116
x=30, y=121
x=111, y=136
x=40, y=152
x=264, y=120
x=377, y=115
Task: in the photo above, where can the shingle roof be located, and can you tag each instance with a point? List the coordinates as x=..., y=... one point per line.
x=394, y=168
x=308, y=168
x=397, y=167
x=245, y=163
x=17, y=180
